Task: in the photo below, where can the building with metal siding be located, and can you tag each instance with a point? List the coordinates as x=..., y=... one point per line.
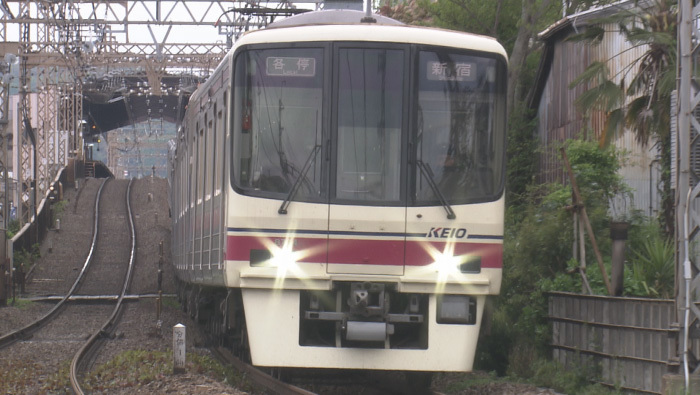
x=560, y=119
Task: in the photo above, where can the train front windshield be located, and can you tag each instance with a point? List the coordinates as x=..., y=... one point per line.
x=366, y=125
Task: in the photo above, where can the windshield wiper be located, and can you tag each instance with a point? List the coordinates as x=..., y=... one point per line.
x=425, y=170
x=311, y=159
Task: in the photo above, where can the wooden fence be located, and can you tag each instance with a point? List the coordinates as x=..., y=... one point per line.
x=627, y=343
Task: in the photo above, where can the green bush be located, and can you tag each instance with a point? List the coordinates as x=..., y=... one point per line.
x=653, y=269
x=135, y=368
x=538, y=258
x=575, y=380
x=58, y=209
x=12, y=228
x=25, y=258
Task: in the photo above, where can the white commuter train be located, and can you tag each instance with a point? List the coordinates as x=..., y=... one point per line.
x=337, y=194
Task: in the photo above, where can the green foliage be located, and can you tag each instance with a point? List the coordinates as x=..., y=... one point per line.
x=538, y=253
x=653, y=268
x=171, y=302
x=21, y=304
x=648, y=79
x=522, y=148
x=638, y=96
x=129, y=369
x=25, y=258
x=495, y=19
x=574, y=6
x=649, y=269
x=12, y=228
x=139, y=367
x=596, y=171
x=411, y=12
x=17, y=375
x=58, y=208
x=568, y=381
x=59, y=382
x=22, y=258
x=471, y=380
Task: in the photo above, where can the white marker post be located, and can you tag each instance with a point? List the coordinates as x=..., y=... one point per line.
x=179, y=349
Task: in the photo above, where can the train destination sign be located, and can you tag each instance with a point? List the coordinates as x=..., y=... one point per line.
x=291, y=66
x=440, y=71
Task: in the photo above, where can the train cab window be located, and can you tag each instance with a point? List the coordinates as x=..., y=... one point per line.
x=277, y=116
x=459, y=127
x=370, y=100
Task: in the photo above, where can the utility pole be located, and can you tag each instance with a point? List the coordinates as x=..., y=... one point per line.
x=5, y=269
x=688, y=132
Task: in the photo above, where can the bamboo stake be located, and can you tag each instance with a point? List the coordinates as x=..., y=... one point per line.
x=584, y=217
x=582, y=241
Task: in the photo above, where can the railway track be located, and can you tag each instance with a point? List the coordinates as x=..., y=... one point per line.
x=109, y=256
x=101, y=301
x=26, y=331
x=311, y=382
x=258, y=376
x=71, y=324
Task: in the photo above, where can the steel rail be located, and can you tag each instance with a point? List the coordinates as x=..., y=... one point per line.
x=258, y=376
x=269, y=382
x=100, y=298
x=89, y=347
x=24, y=332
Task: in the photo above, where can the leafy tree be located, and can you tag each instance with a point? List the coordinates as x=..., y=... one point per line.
x=641, y=100
x=574, y=6
x=537, y=253
x=409, y=12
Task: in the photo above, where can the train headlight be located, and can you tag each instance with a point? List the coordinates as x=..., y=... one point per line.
x=446, y=263
x=276, y=257
x=283, y=258
x=279, y=255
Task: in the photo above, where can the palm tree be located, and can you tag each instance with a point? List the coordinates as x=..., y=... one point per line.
x=642, y=105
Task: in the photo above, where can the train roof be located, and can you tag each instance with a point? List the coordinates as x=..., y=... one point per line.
x=332, y=17
x=347, y=25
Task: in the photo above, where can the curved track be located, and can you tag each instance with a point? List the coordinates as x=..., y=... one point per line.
x=258, y=376
x=108, y=259
x=26, y=331
x=109, y=256
x=314, y=381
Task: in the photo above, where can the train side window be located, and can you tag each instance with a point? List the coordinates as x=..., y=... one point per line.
x=200, y=165
x=219, y=152
x=209, y=170
x=193, y=172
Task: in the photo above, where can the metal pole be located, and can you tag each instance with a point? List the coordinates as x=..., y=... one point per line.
x=4, y=124
x=683, y=199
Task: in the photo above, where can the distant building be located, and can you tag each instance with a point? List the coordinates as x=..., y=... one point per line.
x=559, y=118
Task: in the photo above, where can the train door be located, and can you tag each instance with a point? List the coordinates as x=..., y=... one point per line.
x=367, y=215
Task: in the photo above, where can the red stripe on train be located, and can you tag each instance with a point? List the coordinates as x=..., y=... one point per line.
x=370, y=252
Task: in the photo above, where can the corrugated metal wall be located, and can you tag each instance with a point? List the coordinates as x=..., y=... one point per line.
x=559, y=118
x=627, y=343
